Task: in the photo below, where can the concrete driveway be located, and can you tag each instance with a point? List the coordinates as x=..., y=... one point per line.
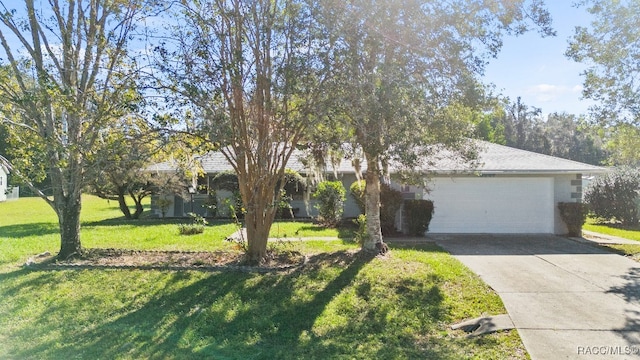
x=568, y=300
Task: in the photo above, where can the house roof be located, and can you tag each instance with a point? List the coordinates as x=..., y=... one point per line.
x=495, y=158
x=492, y=159
x=5, y=165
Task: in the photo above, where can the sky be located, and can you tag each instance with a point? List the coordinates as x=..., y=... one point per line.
x=536, y=68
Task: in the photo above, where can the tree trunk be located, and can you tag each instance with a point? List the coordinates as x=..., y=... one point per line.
x=139, y=208
x=258, y=219
x=372, y=204
x=122, y=202
x=69, y=219
x=258, y=232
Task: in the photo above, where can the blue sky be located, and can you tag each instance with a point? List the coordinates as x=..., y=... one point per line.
x=536, y=69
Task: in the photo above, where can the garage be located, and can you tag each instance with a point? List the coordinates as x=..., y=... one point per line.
x=492, y=205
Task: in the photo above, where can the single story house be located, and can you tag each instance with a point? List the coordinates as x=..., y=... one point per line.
x=508, y=191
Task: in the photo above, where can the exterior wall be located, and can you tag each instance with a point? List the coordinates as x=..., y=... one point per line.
x=568, y=188
x=303, y=208
x=3, y=184
x=565, y=188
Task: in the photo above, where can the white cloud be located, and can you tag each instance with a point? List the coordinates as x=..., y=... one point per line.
x=577, y=89
x=550, y=93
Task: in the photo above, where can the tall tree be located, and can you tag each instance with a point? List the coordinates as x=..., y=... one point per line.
x=624, y=145
x=247, y=70
x=403, y=63
x=611, y=49
x=524, y=128
x=121, y=160
x=574, y=138
x=64, y=85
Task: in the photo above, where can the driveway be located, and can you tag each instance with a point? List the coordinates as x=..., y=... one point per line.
x=568, y=300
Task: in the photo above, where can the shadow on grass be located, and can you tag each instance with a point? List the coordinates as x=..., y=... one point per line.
x=150, y=221
x=244, y=315
x=26, y=230
x=257, y=312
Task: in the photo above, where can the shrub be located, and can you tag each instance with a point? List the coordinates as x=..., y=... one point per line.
x=390, y=203
x=418, y=214
x=614, y=196
x=197, y=227
x=574, y=216
x=331, y=197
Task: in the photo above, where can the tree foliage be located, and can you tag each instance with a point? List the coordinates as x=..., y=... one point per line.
x=400, y=65
x=122, y=162
x=330, y=196
x=624, y=145
x=614, y=196
x=247, y=70
x=611, y=49
x=559, y=134
x=66, y=80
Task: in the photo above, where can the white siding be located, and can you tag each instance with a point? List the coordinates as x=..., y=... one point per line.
x=3, y=185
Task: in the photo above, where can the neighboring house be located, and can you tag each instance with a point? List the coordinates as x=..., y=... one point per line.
x=509, y=191
x=6, y=192
x=4, y=177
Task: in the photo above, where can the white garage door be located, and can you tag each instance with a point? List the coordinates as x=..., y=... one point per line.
x=492, y=205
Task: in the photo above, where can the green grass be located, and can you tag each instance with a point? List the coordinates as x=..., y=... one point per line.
x=340, y=305
x=291, y=229
x=630, y=250
x=612, y=229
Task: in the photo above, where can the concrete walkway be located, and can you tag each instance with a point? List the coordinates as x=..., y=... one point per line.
x=590, y=236
x=567, y=299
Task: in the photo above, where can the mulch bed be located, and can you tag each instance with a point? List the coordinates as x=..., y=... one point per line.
x=169, y=260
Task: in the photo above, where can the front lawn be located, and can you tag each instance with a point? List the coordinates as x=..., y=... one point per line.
x=298, y=229
x=340, y=305
x=631, y=250
x=612, y=229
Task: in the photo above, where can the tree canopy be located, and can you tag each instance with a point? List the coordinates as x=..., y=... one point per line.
x=247, y=71
x=400, y=67
x=66, y=79
x=610, y=48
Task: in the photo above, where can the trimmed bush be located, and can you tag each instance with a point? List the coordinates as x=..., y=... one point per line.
x=574, y=215
x=614, y=196
x=331, y=196
x=418, y=214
